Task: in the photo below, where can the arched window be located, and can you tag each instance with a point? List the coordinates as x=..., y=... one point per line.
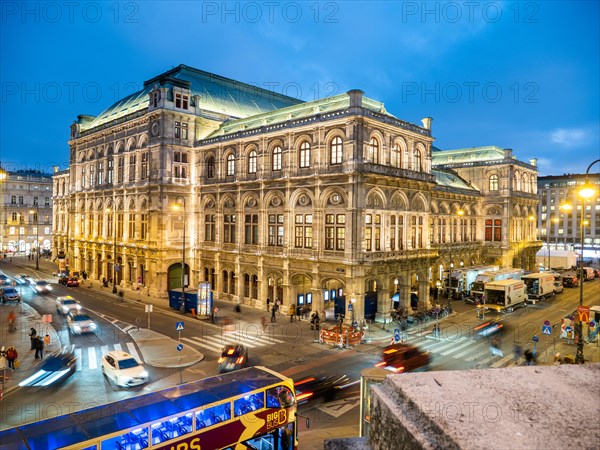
x=304, y=155
x=493, y=182
x=210, y=167
x=252, y=161
x=14, y=217
x=277, y=158
x=417, y=162
x=396, y=159
x=526, y=183
x=374, y=151
x=517, y=181
x=335, y=150
x=230, y=164
x=110, y=171
x=13, y=199
x=100, y=173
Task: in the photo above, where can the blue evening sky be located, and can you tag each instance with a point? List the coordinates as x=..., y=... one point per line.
x=520, y=75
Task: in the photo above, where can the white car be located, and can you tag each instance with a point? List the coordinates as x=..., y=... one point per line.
x=41, y=287
x=80, y=323
x=67, y=304
x=123, y=369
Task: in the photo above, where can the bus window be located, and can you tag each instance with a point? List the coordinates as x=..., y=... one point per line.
x=248, y=404
x=133, y=440
x=279, y=397
x=215, y=414
x=172, y=428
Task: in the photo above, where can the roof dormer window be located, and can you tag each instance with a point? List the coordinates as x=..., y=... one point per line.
x=181, y=101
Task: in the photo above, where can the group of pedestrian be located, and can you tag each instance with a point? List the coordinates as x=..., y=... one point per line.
x=9, y=354
x=37, y=343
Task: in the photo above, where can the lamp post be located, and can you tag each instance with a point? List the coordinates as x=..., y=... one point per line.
x=181, y=203
x=114, y=257
x=37, y=235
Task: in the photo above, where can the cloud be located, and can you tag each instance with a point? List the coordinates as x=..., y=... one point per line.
x=570, y=137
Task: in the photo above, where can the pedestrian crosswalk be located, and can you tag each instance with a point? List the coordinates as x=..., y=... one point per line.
x=463, y=348
x=255, y=338
x=89, y=358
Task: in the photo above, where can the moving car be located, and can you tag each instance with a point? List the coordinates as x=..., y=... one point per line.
x=233, y=357
x=68, y=281
x=67, y=304
x=123, y=369
x=10, y=294
x=41, y=287
x=488, y=329
x=80, y=323
x=404, y=358
x=325, y=386
x=23, y=279
x=54, y=369
x=4, y=280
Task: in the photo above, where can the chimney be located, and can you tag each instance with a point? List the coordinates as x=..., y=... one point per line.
x=533, y=162
x=507, y=153
x=355, y=97
x=427, y=123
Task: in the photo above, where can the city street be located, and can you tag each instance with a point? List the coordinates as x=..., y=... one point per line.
x=291, y=348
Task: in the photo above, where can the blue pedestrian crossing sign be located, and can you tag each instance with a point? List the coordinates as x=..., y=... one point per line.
x=396, y=334
x=179, y=326
x=546, y=329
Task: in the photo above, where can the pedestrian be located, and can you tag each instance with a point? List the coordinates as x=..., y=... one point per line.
x=314, y=321
x=277, y=305
x=518, y=353
x=32, y=336
x=268, y=303
x=529, y=358
x=273, y=312
x=557, y=360
x=39, y=348
x=263, y=322
x=292, y=312
x=213, y=313
x=11, y=356
x=84, y=275
x=47, y=339
x=238, y=310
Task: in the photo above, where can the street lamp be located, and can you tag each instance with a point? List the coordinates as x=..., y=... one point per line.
x=181, y=203
x=37, y=235
x=586, y=192
x=114, y=258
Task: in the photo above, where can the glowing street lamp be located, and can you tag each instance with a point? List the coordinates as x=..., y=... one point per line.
x=181, y=203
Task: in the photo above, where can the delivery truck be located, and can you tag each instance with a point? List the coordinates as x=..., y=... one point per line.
x=504, y=295
x=476, y=288
x=462, y=278
x=540, y=285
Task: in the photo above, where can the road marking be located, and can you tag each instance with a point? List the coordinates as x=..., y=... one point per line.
x=117, y=346
x=201, y=344
x=78, y=363
x=503, y=361
x=133, y=351
x=93, y=364
x=103, y=350
x=455, y=349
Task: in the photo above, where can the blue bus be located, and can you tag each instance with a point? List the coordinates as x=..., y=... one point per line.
x=252, y=408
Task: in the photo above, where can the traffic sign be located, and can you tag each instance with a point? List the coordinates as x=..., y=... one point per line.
x=179, y=326
x=547, y=329
x=546, y=322
x=592, y=324
x=179, y=347
x=535, y=339
x=396, y=334
x=148, y=308
x=568, y=329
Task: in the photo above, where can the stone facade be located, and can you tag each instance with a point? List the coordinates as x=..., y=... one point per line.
x=331, y=201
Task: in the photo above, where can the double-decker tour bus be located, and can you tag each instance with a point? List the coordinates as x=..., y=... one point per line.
x=252, y=408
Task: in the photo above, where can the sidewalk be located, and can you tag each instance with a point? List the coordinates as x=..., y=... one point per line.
x=27, y=317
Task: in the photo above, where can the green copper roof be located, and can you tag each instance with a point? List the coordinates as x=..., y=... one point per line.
x=299, y=111
x=449, y=179
x=462, y=155
x=216, y=94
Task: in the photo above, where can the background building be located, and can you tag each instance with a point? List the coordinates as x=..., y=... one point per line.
x=561, y=229
x=333, y=203
x=26, y=214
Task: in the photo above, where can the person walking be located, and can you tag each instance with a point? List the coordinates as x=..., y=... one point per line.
x=277, y=305
x=11, y=356
x=32, y=336
x=292, y=312
x=273, y=312
x=213, y=313
x=238, y=310
x=39, y=348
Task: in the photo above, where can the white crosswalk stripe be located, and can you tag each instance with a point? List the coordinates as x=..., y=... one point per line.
x=88, y=358
x=216, y=342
